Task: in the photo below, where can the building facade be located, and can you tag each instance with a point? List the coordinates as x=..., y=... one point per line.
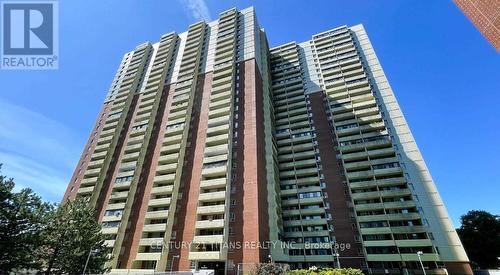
x=485, y=15
x=214, y=151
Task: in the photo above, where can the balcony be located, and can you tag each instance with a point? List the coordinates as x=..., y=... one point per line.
x=160, y=227
x=359, y=175
x=173, y=138
x=212, y=209
x=425, y=257
x=214, y=183
x=379, y=243
x=216, y=150
x=170, y=158
x=217, y=140
x=208, y=239
x=399, y=204
x=162, y=189
x=85, y=190
x=159, y=202
x=215, y=171
x=92, y=172
x=217, y=158
x=119, y=195
x=206, y=256
x=165, y=178
x=384, y=257
x=167, y=168
x=375, y=230
x=218, y=130
x=354, y=156
x=388, y=171
x=312, y=211
x=395, y=193
x=113, y=218
x=112, y=206
x=171, y=148
x=298, y=164
x=109, y=230
x=150, y=241
x=157, y=214
x=413, y=243
x=357, y=165
x=148, y=256
x=368, y=206
x=131, y=156
x=408, y=229
x=212, y=196
x=88, y=181
x=209, y=224
x=100, y=155
x=96, y=163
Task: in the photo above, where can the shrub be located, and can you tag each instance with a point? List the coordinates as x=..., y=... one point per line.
x=326, y=271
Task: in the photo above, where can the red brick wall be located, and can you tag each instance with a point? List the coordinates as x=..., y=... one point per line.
x=485, y=15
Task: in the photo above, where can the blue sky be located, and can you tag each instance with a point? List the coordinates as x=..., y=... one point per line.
x=445, y=75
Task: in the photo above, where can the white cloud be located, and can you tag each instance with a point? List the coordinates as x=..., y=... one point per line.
x=197, y=9
x=44, y=180
x=38, y=152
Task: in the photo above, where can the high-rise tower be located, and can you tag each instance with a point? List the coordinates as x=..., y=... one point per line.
x=214, y=151
x=485, y=15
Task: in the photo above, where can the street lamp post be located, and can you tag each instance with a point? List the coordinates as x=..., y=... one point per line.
x=172, y=263
x=420, y=253
x=337, y=255
x=87, y=261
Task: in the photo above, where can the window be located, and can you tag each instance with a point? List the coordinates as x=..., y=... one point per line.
x=310, y=195
x=113, y=212
x=111, y=224
x=123, y=179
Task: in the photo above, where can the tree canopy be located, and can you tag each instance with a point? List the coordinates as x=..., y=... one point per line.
x=480, y=235
x=41, y=236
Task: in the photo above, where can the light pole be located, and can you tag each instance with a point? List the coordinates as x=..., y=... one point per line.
x=172, y=264
x=420, y=253
x=87, y=261
x=337, y=255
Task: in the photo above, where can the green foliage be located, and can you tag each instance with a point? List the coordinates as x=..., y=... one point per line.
x=35, y=235
x=480, y=235
x=71, y=235
x=277, y=269
x=325, y=271
x=23, y=217
x=269, y=269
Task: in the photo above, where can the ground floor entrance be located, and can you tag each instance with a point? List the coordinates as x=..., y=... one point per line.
x=218, y=267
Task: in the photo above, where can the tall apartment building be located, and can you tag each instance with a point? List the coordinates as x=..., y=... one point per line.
x=230, y=153
x=485, y=15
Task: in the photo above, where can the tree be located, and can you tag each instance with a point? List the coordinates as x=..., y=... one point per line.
x=480, y=235
x=72, y=234
x=23, y=216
